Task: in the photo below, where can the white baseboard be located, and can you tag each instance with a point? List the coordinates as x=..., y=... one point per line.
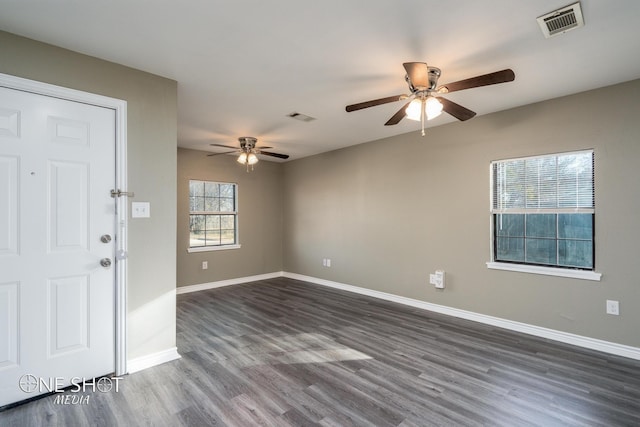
x=564, y=337
x=144, y=362
x=229, y=282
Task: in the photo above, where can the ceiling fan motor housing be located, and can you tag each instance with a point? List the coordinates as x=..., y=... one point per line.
x=247, y=143
x=433, y=74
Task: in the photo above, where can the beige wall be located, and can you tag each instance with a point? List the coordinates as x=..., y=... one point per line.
x=389, y=212
x=151, y=118
x=259, y=217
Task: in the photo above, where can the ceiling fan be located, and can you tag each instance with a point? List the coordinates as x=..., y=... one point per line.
x=248, y=151
x=425, y=100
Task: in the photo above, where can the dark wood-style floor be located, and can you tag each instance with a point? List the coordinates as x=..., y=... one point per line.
x=286, y=353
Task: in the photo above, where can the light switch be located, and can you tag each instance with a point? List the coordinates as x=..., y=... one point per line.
x=140, y=209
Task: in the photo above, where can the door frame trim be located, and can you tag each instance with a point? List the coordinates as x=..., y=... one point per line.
x=120, y=108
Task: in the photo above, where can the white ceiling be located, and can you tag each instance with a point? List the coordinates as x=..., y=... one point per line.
x=243, y=65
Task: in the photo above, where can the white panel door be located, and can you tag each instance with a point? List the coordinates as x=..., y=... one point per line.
x=57, y=167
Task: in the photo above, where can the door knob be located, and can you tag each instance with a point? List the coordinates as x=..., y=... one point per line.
x=105, y=238
x=105, y=262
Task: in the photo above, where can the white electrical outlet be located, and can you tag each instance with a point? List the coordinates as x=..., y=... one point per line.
x=437, y=279
x=613, y=307
x=326, y=262
x=205, y=265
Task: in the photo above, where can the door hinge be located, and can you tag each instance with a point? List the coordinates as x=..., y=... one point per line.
x=120, y=193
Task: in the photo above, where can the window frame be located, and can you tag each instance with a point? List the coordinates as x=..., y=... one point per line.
x=235, y=213
x=552, y=270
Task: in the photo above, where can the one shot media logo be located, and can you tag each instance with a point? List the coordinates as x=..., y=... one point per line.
x=29, y=384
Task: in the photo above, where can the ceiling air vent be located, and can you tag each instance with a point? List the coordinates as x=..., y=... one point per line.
x=301, y=117
x=562, y=20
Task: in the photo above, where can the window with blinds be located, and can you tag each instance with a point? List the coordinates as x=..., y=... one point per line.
x=213, y=214
x=543, y=210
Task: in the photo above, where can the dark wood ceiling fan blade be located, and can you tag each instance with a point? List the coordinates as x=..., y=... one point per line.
x=418, y=73
x=268, y=153
x=373, y=103
x=399, y=115
x=226, y=152
x=502, y=76
x=225, y=146
x=456, y=110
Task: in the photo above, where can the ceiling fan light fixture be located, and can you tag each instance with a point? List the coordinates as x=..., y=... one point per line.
x=433, y=108
x=247, y=159
x=414, y=110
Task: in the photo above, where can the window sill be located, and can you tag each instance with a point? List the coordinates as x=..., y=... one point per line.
x=212, y=248
x=548, y=271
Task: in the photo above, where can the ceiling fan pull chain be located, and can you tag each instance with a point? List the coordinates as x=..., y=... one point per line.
x=422, y=114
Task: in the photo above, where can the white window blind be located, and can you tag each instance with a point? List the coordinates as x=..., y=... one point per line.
x=213, y=214
x=550, y=183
